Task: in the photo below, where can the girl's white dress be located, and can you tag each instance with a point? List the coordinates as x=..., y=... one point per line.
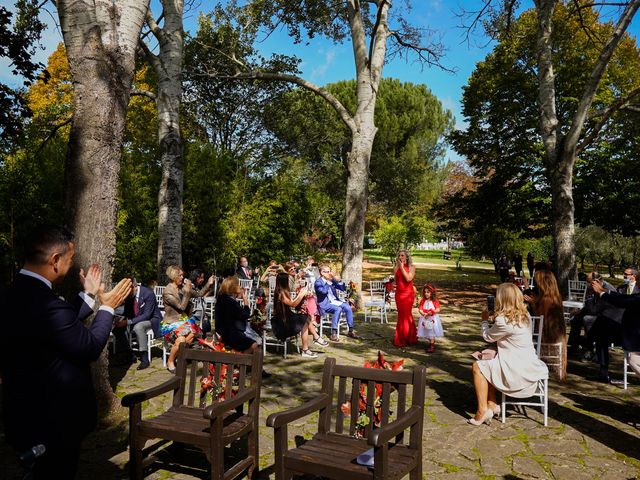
x=429, y=325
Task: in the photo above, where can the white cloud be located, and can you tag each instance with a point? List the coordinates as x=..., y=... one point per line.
x=320, y=71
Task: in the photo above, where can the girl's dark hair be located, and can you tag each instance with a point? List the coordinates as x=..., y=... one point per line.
x=282, y=287
x=432, y=290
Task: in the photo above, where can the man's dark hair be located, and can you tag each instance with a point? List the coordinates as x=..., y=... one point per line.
x=46, y=240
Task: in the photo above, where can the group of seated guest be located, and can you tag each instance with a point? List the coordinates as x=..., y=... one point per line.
x=609, y=316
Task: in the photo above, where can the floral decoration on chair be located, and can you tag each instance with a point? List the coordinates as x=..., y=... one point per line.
x=208, y=384
x=353, y=297
x=363, y=418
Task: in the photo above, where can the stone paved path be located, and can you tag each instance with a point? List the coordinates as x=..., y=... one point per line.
x=593, y=429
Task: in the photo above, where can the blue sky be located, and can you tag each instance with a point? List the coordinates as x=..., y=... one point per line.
x=323, y=62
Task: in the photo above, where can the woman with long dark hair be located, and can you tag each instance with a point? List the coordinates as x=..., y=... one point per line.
x=547, y=301
x=286, y=323
x=404, y=272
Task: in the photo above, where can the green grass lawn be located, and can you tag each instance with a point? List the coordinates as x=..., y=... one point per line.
x=432, y=256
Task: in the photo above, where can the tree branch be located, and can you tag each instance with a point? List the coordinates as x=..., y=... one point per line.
x=344, y=114
x=143, y=93
x=53, y=132
x=152, y=58
x=153, y=25
x=608, y=112
x=599, y=68
x=426, y=55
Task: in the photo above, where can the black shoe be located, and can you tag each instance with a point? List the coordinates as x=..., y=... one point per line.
x=143, y=364
x=265, y=374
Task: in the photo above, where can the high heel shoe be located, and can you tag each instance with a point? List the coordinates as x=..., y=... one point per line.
x=486, y=418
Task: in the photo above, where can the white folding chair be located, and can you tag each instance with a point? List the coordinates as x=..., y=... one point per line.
x=625, y=370
x=577, y=290
x=542, y=390
x=151, y=342
x=376, y=306
x=158, y=291
x=246, y=285
x=269, y=339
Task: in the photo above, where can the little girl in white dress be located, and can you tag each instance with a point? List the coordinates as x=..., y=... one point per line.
x=429, y=324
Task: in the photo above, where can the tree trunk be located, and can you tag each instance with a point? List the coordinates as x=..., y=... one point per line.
x=168, y=68
x=356, y=204
x=100, y=39
x=563, y=216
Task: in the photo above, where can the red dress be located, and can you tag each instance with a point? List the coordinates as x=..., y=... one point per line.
x=406, y=332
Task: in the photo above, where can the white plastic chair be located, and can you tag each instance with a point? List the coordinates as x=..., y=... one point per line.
x=269, y=339
x=376, y=306
x=246, y=285
x=158, y=290
x=542, y=391
x=151, y=342
x=625, y=370
x=577, y=290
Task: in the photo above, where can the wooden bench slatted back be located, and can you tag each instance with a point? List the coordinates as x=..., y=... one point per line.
x=349, y=382
x=196, y=367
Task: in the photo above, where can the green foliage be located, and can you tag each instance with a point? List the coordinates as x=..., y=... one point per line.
x=503, y=147
x=396, y=233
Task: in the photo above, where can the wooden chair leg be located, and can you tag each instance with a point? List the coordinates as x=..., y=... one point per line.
x=135, y=447
x=253, y=453
x=217, y=450
x=280, y=438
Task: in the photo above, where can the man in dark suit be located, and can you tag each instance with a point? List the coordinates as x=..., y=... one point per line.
x=244, y=271
x=46, y=351
x=630, y=319
x=142, y=313
x=629, y=285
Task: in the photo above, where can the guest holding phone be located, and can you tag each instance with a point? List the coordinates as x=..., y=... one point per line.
x=516, y=369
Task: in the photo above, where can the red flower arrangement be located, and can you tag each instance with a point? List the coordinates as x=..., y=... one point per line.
x=363, y=419
x=217, y=388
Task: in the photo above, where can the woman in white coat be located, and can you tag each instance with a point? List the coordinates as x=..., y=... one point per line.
x=516, y=369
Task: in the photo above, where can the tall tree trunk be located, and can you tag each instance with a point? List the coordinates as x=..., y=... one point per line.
x=168, y=67
x=356, y=203
x=100, y=39
x=563, y=216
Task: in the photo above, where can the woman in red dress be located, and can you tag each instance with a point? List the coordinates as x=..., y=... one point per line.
x=406, y=332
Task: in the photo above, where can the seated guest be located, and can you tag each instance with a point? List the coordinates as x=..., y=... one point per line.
x=177, y=327
x=630, y=322
x=588, y=315
x=201, y=290
x=232, y=318
x=629, y=285
x=328, y=301
x=516, y=369
x=286, y=323
x=244, y=271
x=142, y=313
x=546, y=301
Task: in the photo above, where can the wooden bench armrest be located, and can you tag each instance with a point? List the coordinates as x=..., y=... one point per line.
x=217, y=409
x=138, y=397
x=276, y=420
x=380, y=436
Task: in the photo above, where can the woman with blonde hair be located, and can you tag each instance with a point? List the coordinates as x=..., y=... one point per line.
x=516, y=369
x=177, y=327
x=547, y=301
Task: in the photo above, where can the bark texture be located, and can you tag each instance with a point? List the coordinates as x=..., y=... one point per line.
x=368, y=75
x=100, y=38
x=168, y=67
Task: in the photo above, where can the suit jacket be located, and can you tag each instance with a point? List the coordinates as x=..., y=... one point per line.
x=147, y=310
x=176, y=302
x=45, y=356
x=322, y=292
x=623, y=289
x=630, y=318
x=242, y=274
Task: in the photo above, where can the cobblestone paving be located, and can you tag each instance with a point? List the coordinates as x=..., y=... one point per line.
x=593, y=428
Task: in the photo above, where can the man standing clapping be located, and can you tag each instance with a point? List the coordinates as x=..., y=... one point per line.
x=46, y=351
